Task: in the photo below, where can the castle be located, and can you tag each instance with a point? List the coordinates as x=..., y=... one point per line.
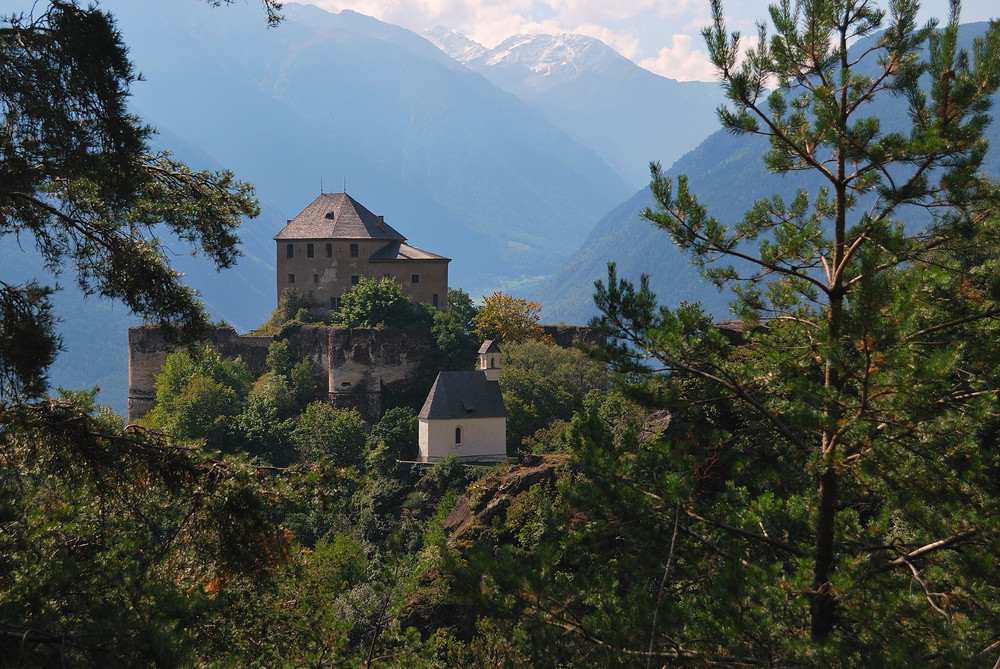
x=335, y=242
x=321, y=253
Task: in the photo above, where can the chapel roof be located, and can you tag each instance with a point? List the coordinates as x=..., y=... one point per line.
x=463, y=395
x=401, y=251
x=338, y=216
x=489, y=346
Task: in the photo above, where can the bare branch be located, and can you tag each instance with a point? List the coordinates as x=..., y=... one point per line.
x=745, y=533
x=935, y=546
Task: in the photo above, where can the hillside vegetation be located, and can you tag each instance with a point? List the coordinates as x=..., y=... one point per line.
x=815, y=483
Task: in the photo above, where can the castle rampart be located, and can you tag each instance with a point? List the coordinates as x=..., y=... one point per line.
x=352, y=367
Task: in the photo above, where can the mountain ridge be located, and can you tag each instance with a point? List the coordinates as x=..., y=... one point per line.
x=627, y=114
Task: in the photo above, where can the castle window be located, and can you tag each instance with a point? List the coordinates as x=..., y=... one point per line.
x=329, y=250
x=333, y=303
x=354, y=250
x=289, y=250
x=309, y=250
x=291, y=278
x=458, y=435
x=315, y=278
x=354, y=279
x=434, y=299
x=414, y=278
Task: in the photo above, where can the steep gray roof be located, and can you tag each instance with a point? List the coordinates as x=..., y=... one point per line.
x=489, y=346
x=401, y=251
x=463, y=395
x=337, y=216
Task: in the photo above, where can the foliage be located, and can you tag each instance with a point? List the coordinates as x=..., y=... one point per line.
x=508, y=320
x=118, y=546
x=397, y=429
x=857, y=478
x=292, y=311
x=454, y=346
x=542, y=383
x=197, y=394
x=260, y=431
x=78, y=179
x=334, y=436
x=287, y=385
x=375, y=303
x=28, y=343
x=461, y=306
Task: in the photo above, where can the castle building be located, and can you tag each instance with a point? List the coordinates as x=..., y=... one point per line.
x=335, y=242
x=464, y=414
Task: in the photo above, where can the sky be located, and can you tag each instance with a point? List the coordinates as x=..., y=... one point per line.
x=663, y=36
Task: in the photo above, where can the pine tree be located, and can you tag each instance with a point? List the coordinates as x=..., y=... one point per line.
x=862, y=395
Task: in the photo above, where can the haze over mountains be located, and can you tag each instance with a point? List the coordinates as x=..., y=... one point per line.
x=462, y=167
x=628, y=115
x=506, y=160
x=728, y=175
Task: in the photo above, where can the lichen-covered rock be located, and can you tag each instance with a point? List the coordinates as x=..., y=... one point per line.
x=486, y=502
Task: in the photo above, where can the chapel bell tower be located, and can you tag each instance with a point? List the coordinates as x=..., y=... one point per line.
x=489, y=360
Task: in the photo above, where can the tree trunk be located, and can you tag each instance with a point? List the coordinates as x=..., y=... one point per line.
x=823, y=602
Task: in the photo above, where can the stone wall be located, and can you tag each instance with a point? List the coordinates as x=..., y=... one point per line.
x=351, y=367
x=568, y=335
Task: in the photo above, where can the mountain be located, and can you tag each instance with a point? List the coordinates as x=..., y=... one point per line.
x=627, y=114
x=727, y=174
x=469, y=171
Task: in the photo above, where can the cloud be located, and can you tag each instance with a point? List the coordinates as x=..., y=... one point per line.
x=570, y=12
x=486, y=21
x=679, y=61
x=625, y=43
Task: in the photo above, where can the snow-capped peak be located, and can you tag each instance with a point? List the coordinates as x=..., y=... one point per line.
x=455, y=44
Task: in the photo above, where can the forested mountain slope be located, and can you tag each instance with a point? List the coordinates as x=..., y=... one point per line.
x=463, y=169
x=727, y=175
x=627, y=114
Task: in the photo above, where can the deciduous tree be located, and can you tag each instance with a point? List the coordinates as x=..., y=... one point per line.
x=375, y=303
x=507, y=319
